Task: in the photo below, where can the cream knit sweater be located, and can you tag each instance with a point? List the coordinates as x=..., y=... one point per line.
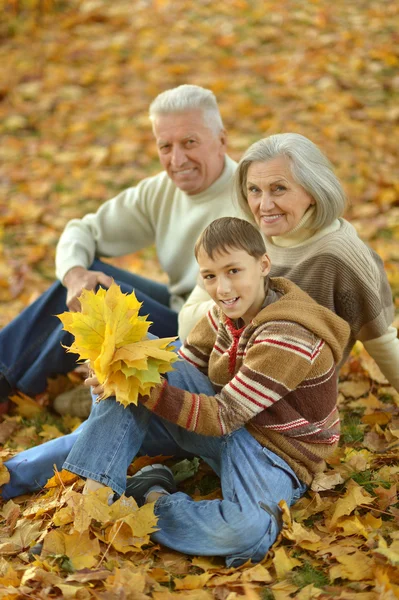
x=153, y=212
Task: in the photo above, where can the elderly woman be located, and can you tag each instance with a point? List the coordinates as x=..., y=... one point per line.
x=287, y=186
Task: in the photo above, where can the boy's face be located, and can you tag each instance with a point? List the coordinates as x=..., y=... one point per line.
x=235, y=281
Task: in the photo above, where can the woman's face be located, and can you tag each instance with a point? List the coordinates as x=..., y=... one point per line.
x=276, y=200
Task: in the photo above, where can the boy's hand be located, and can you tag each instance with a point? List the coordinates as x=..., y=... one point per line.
x=92, y=381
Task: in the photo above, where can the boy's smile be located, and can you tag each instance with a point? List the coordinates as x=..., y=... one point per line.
x=235, y=281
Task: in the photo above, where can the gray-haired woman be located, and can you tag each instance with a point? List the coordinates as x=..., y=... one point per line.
x=288, y=187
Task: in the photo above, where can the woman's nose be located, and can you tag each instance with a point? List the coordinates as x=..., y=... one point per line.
x=267, y=202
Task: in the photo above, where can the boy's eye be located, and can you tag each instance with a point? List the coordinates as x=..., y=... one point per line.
x=234, y=271
x=208, y=277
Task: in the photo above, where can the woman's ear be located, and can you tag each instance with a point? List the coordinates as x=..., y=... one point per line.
x=265, y=265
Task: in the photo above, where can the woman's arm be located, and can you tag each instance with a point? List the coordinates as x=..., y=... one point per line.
x=196, y=306
x=385, y=351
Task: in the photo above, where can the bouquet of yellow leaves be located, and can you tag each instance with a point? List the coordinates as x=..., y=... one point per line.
x=111, y=336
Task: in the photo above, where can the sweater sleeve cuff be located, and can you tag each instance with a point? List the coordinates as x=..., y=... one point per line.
x=385, y=351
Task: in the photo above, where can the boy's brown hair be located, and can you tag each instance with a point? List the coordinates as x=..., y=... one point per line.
x=230, y=232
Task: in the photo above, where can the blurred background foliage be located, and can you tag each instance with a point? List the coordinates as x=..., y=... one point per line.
x=77, y=78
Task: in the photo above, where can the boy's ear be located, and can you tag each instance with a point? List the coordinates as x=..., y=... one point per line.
x=265, y=265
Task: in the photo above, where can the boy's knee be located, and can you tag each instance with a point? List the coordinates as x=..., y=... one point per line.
x=253, y=539
x=246, y=531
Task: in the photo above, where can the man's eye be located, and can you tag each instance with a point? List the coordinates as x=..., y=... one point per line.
x=208, y=277
x=164, y=149
x=190, y=142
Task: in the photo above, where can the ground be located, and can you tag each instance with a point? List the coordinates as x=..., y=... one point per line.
x=77, y=81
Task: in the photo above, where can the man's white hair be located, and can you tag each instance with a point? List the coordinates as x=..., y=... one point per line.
x=185, y=98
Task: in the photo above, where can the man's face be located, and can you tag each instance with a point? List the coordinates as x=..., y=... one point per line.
x=190, y=152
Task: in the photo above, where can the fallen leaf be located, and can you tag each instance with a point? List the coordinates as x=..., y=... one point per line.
x=355, y=496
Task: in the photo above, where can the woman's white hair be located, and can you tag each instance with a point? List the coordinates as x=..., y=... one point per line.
x=309, y=167
x=188, y=97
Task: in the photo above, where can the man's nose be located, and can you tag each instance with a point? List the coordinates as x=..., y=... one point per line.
x=178, y=156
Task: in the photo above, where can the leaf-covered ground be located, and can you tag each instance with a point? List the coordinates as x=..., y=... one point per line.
x=76, y=81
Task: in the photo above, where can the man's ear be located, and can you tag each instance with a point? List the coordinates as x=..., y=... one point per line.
x=223, y=138
x=265, y=265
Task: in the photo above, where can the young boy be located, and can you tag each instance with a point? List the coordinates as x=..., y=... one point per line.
x=264, y=418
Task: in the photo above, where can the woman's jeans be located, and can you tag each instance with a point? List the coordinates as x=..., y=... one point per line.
x=242, y=526
x=30, y=346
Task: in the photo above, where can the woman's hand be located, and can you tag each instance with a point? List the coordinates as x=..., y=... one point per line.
x=93, y=382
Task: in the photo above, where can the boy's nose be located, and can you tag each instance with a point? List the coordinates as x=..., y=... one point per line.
x=224, y=286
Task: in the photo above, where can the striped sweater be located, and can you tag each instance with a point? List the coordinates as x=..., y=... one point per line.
x=276, y=376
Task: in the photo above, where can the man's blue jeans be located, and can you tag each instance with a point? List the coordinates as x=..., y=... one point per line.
x=30, y=346
x=242, y=526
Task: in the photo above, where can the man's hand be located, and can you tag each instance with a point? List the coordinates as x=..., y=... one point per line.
x=80, y=278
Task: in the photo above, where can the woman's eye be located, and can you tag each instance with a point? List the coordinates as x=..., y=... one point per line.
x=280, y=188
x=253, y=189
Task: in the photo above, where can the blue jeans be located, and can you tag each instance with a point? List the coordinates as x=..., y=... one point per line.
x=29, y=470
x=242, y=526
x=30, y=346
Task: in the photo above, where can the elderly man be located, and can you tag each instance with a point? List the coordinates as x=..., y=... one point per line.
x=169, y=210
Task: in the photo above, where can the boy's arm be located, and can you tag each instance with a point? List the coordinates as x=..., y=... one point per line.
x=270, y=371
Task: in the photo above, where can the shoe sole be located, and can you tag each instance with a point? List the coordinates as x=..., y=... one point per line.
x=139, y=484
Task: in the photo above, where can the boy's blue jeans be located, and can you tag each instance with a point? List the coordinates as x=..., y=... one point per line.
x=30, y=346
x=242, y=526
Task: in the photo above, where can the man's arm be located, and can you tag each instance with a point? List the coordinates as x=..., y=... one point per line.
x=120, y=226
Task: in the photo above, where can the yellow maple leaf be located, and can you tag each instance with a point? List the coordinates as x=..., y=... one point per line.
x=79, y=547
x=26, y=406
x=110, y=334
x=355, y=567
x=354, y=496
x=4, y=474
x=284, y=563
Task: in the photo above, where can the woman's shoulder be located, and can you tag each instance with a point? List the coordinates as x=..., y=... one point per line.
x=344, y=246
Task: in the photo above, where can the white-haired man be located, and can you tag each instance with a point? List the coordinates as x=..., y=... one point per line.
x=169, y=210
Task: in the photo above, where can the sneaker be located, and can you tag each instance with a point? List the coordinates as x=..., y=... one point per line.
x=76, y=402
x=138, y=485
